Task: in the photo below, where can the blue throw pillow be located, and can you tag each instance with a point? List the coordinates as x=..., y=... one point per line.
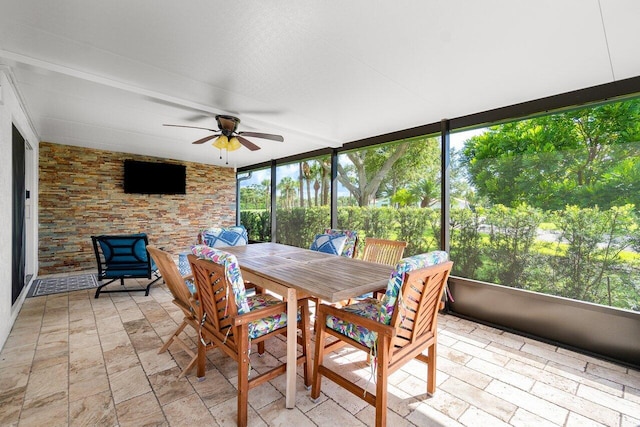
x=329, y=243
x=221, y=237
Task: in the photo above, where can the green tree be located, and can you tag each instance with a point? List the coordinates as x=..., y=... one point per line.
x=385, y=169
x=588, y=255
x=466, y=241
x=571, y=157
x=404, y=198
x=426, y=190
x=511, y=238
x=287, y=187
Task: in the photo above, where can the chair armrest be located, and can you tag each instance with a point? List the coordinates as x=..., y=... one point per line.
x=372, y=325
x=260, y=313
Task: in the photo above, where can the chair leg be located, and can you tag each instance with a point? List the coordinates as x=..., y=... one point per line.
x=319, y=356
x=431, y=369
x=158, y=277
x=189, y=367
x=243, y=376
x=306, y=342
x=381, y=381
x=176, y=339
x=102, y=285
x=202, y=360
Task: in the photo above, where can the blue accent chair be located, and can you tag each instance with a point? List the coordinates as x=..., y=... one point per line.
x=122, y=257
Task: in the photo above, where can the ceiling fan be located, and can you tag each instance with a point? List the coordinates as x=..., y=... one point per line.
x=228, y=136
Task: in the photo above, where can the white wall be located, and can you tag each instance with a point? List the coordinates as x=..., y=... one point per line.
x=11, y=112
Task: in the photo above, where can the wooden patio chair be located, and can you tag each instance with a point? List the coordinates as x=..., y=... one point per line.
x=336, y=242
x=232, y=321
x=383, y=251
x=394, y=330
x=183, y=298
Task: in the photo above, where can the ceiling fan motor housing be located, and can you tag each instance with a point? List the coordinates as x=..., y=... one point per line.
x=227, y=124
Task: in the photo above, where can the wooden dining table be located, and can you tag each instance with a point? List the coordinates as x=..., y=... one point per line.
x=296, y=273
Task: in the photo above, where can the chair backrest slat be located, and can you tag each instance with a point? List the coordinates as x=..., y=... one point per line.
x=231, y=272
x=416, y=314
x=172, y=277
x=216, y=297
x=383, y=251
x=398, y=278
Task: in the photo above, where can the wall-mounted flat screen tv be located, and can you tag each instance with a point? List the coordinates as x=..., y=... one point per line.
x=154, y=178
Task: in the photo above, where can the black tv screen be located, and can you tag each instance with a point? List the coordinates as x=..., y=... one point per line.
x=154, y=178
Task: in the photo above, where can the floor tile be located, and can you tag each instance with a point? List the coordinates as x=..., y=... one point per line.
x=93, y=410
x=72, y=359
x=493, y=404
x=129, y=383
x=168, y=388
x=141, y=410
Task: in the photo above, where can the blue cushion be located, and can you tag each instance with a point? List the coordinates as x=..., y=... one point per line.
x=350, y=245
x=220, y=237
x=123, y=254
x=135, y=271
x=329, y=243
x=126, y=256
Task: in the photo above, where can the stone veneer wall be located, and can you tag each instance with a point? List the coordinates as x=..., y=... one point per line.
x=81, y=194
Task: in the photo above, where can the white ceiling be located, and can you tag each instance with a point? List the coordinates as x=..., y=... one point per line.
x=108, y=74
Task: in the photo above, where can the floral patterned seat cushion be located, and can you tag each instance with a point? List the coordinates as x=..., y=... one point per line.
x=369, y=308
x=382, y=311
x=245, y=303
x=263, y=326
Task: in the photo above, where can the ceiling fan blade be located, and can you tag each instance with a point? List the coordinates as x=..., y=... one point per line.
x=192, y=127
x=205, y=139
x=278, y=138
x=250, y=145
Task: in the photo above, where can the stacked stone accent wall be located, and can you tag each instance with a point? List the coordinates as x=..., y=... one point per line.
x=81, y=194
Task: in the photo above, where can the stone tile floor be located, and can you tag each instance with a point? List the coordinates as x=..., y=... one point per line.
x=75, y=360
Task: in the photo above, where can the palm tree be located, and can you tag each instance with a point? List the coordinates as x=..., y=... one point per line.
x=306, y=171
x=301, y=182
x=315, y=173
x=265, y=189
x=426, y=190
x=287, y=187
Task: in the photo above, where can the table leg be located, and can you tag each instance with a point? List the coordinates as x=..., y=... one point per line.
x=292, y=347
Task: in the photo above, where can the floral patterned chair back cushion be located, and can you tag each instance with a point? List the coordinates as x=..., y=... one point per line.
x=232, y=272
x=382, y=311
x=404, y=266
x=349, y=247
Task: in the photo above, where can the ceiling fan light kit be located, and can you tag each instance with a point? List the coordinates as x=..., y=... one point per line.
x=229, y=139
x=229, y=144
